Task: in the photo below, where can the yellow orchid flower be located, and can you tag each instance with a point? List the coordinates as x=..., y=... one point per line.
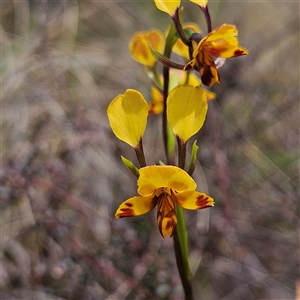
x=139, y=46
x=201, y=3
x=167, y=6
x=127, y=116
x=164, y=187
x=221, y=42
x=186, y=110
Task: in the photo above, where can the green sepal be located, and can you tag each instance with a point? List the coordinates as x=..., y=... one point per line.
x=165, y=61
x=193, y=161
x=161, y=163
x=130, y=166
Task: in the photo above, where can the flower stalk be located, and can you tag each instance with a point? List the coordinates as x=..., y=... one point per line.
x=139, y=151
x=207, y=18
x=181, y=235
x=182, y=254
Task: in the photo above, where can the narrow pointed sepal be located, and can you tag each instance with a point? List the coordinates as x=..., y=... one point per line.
x=165, y=61
x=193, y=161
x=130, y=166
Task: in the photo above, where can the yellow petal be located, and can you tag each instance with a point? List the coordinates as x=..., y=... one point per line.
x=139, y=46
x=202, y=3
x=166, y=215
x=167, y=6
x=193, y=200
x=127, y=116
x=155, y=177
x=223, y=42
x=186, y=110
x=135, y=206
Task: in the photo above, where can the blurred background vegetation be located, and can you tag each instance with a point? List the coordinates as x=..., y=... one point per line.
x=62, y=62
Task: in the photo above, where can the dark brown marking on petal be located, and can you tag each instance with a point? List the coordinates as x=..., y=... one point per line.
x=239, y=52
x=166, y=210
x=171, y=224
x=128, y=204
x=205, y=64
x=207, y=77
x=126, y=212
x=203, y=201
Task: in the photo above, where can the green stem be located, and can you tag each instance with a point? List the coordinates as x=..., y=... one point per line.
x=182, y=254
x=181, y=236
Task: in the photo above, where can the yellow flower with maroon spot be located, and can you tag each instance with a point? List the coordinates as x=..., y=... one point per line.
x=221, y=42
x=164, y=187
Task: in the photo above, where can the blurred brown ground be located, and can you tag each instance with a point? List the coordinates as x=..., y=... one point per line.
x=62, y=178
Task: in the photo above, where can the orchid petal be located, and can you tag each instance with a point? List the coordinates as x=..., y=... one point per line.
x=156, y=177
x=186, y=110
x=223, y=42
x=166, y=215
x=201, y=3
x=136, y=206
x=167, y=6
x=127, y=116
x=193, y=200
